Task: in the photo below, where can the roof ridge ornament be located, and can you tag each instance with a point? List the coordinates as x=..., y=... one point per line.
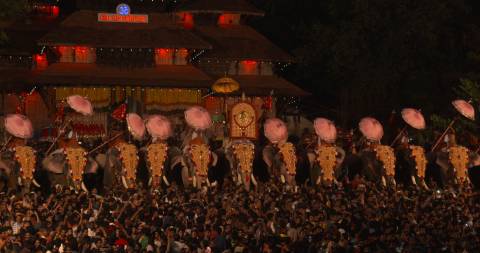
x=123, y=9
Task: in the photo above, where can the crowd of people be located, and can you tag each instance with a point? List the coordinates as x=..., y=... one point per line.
x=352, y=216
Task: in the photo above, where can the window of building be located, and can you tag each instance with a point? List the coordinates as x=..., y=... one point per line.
x=248, y=67
x=228, y=19
x=181, y=56
x=186, y=19
x=164, y=56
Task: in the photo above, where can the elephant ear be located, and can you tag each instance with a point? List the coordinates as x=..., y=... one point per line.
x=341, y=157
x=50, y=164
x=101, y=159
x=5, y=167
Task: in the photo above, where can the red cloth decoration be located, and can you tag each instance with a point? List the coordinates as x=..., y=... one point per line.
x=120, y=113
x=19, y=110
x=267, y=103
x=60, y=113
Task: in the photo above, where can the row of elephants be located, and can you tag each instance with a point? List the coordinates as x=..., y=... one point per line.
x=197, y=163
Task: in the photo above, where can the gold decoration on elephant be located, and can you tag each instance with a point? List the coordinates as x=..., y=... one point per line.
x=459, y=159
x=25, y=156
x=156, y=156
x=77, y=160
x=418, y=154
x=129, y=157
x=243, y=121
x=244, y=152
x=327, y=158
x=201, y=159
x=386, y=155
x=289, y=157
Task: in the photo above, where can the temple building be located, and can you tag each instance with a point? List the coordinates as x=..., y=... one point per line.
x=154, y=60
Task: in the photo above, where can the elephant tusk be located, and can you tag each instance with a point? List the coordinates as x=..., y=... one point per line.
x=194, y=181
x=413, y=180
x=19, y=181
x=165, y=181
x=150, y=181
x=215, y=159
x=35, y=183
x=84, y=187
x=319, y=179
x=384, y=182
x=425, y=185
x=253, y=180
x=208, y=182
x=124, y=182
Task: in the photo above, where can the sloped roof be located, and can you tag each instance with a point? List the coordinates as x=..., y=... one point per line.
x=263, y=85
x=239, y=42
x=221, y=6
x=82, y=28
x=78, y=74
x=17, y=79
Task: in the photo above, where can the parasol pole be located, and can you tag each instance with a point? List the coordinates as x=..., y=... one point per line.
x=57, y=137
x=6, y=143
x=443, y=134
x=398, y=136
x=105, y=143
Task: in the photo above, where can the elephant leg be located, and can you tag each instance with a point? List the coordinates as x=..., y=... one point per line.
x=291, y=180
x=199, y=181
x=108, y=178
x=315, y=174
x=12, y=183
x=186, y=177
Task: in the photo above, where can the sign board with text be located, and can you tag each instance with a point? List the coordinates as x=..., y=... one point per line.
x=122, y=15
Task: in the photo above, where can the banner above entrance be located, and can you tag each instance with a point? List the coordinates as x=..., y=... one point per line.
x=122, y=15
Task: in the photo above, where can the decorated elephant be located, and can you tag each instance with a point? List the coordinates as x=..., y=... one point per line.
x=327, y=163
x=122, y=158
x=241, y=155
x=327, y=159
x=156, y=157
x=279, y=154
x=198, y=159
x=197, y=156
x=9, y=171
x=27, y=162
x=452, y=161
x=18, y=162
x=66, y=166
x=411, y=164
x=378, y=160
x=159, y=127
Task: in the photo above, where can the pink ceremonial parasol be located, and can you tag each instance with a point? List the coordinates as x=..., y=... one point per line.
x=159, y=127
x=371, y=129
x=80, y=105
x=136, y=126
x=414, y=118
x=464, y=108
x=325, y=129
x=198, y=118
x=19, y=126
x=275, y=130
